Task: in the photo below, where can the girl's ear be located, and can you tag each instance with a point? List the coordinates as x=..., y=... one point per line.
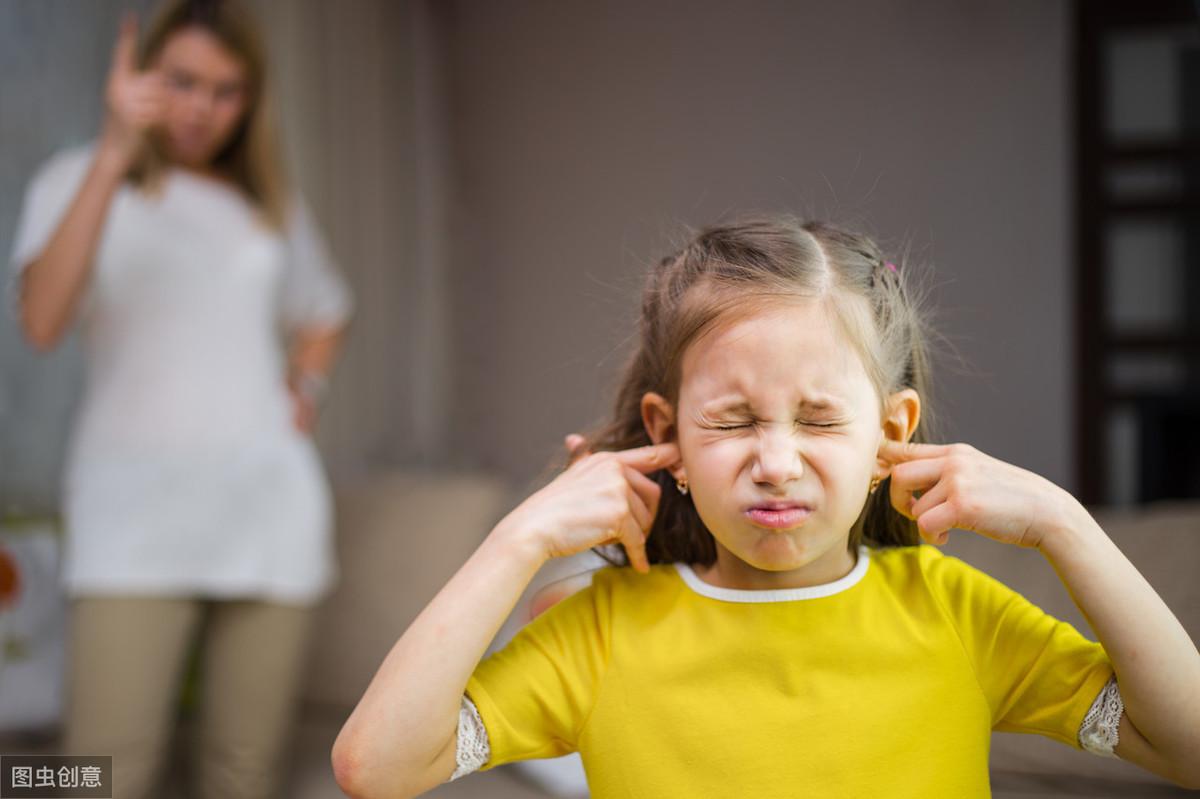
x=903, y=414
x=658, y=417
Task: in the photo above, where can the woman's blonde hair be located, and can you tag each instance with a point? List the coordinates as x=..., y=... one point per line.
x=730, y=271
x=252, y=156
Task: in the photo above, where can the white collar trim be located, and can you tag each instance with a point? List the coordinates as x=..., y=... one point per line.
x=776, y=594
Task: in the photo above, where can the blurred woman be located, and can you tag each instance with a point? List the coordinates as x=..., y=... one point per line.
x=211, y=313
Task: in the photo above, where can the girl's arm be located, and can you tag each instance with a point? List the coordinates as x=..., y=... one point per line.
x=1157, y=664
x=400, y=740
x=52, y=284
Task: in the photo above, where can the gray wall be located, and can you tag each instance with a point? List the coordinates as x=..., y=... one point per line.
x=586, y=133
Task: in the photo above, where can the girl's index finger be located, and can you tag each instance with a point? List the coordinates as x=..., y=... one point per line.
x=650, y=457
x=900, y=451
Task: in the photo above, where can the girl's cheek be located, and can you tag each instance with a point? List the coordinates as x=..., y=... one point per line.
x=721, y=447
x=701, y=443
x=708, y=455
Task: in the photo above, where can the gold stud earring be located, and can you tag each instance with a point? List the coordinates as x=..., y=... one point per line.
x=874, y=484
x=682, y=484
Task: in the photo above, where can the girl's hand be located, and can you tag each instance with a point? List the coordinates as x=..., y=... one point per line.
x=135, y=101
x=600, y=498
x=961, y=487
x=576, y=446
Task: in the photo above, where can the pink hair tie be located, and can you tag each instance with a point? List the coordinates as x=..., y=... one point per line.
x=892, y=266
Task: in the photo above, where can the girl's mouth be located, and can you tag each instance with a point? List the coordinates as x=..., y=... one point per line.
x=783, y=518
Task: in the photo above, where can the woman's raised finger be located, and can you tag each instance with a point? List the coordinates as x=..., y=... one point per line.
x=124, y=58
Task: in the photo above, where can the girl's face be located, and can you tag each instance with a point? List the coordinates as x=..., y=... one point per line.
x=206, y=95
x=777, y=410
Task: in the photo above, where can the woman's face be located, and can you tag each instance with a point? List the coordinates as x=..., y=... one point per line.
x=777, y=410
x=206, y=95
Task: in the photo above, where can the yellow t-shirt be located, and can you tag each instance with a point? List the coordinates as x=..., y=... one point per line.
x=886, y=682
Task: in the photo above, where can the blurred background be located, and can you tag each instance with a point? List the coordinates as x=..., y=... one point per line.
x=493, y=177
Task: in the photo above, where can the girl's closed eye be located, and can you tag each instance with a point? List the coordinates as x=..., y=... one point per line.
x=748, y=424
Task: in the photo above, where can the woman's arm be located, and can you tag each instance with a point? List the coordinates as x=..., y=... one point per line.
x=52, y=284
x=1157, y=664
x=400, y=740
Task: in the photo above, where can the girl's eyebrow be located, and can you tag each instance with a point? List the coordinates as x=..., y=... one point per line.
x=738, y=405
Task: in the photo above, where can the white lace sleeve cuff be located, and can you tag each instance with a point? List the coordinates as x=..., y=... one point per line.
x=1098, y=733
x=471, y=750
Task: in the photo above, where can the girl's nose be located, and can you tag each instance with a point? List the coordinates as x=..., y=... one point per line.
x=777, y=457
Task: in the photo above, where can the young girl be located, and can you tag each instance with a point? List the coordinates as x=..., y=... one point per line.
x=782, y=630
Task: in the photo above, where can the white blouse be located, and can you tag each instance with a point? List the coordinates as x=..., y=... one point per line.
x=184, y=472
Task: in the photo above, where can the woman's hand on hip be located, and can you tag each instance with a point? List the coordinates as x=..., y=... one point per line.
x=304, y=411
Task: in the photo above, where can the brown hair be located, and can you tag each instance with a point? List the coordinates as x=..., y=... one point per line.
x=251, y=157
x=729, y=271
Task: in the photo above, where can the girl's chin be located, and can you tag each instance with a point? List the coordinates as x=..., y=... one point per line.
x=784, y=550
x=776, y=550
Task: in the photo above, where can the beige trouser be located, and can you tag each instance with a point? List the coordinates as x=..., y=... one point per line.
x=127, y=658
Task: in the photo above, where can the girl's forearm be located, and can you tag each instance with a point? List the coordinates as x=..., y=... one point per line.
x=1156, y=662
x=51, y=286
x=408, y=715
